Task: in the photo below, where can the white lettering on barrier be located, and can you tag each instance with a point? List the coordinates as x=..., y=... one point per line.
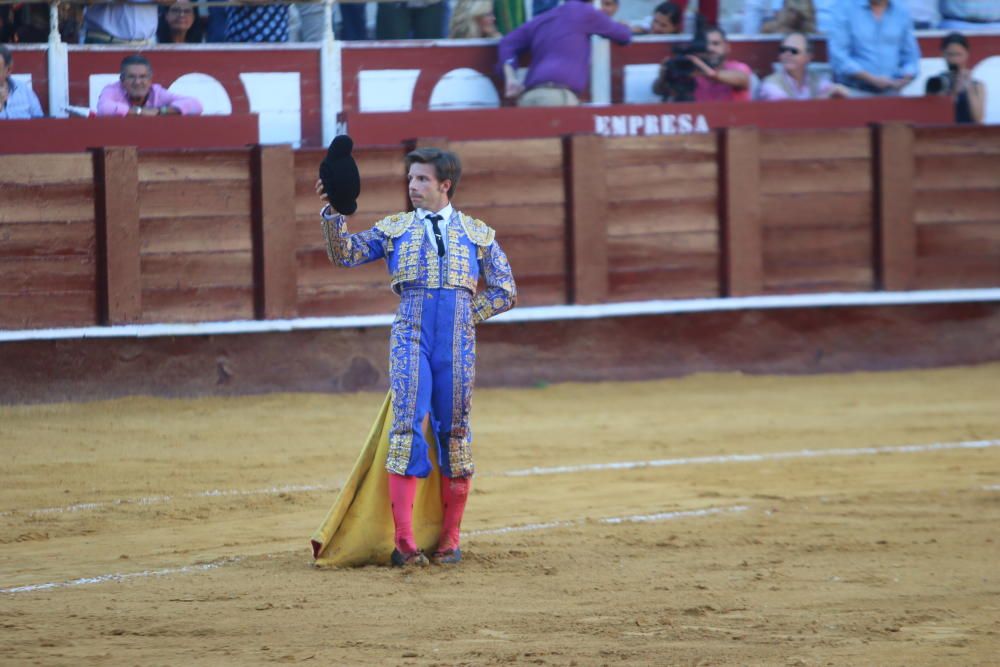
x=650, y=125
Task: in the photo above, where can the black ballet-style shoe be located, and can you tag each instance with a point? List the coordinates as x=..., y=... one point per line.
x=415, y=559
x=447, y=557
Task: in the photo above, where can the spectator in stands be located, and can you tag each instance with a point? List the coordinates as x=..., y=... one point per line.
x=611, y=7
x=793, y=80
x=970, y=14
x=309, y=17
x=559, y=42
x=135, y=94
x=25, y=23
x=794, y=16
x=28, y=22
x=925, y=13
x=826, y=14
x=714, y=77
x=473, y=19
x=353, y=24
x=872, y=47
x=757, y=12
x=7, y=20
x=968, y=94
x=258, y=23
x=70, y=22
x=353, y=21
x=509, y=13
x=412, y=19
x=668, y=19
x=17, y=100
x=808, y=16
x=179, y=24
x=132, y=22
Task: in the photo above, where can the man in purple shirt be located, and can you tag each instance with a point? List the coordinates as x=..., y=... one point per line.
x=136, y=94
x=559, y=41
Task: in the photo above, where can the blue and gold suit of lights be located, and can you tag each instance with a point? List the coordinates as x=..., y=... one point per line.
x=432, y=349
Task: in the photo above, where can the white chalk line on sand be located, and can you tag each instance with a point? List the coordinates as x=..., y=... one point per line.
x=159, y=500
x=614, y=520
x=232, y=560
x=557, y=470
x=754, y=458
x=104, y=578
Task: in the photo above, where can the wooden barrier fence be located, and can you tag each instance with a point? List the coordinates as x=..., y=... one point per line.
x=120, y=236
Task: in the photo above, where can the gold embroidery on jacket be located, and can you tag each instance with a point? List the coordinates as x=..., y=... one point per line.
x=478, y=231
x=408, y=262
x=459, y=265
x=433, y=265
x=394, y=225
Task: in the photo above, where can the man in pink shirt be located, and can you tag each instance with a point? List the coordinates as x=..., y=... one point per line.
x=136, y=94
x=718, y=79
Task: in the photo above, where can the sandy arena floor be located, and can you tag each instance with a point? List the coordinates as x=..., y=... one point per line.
x=856, y=552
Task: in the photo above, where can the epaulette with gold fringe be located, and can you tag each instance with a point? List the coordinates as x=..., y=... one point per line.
x=394, y=225
x=478, y=231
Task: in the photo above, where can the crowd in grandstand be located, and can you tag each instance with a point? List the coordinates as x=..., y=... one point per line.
x=142, y=22
x=872, y=47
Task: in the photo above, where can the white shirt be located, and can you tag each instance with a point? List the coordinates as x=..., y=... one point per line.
x=329, y=214
x=124, y=21
x=445, y=214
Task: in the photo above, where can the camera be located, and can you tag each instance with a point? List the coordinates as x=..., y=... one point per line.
x=678, y=72
x=936, y=85
x=944, y=83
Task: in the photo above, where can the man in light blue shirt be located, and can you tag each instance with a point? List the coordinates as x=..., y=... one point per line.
x=872, y=48
x=17, y=100
x=970, y=14
x=926, y=14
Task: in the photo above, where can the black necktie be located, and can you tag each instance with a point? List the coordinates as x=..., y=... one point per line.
x=435, y=219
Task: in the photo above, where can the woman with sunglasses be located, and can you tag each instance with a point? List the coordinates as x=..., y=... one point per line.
x=793, y=81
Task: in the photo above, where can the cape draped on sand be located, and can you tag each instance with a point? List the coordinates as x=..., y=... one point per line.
x=358, y=529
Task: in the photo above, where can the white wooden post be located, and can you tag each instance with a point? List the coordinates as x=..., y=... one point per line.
x=330, y=77
x=58, y=64
x=600, y=67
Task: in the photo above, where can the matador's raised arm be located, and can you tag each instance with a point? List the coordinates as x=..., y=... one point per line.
x=346, y=249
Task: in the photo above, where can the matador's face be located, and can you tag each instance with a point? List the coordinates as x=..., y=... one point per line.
x=426, y=191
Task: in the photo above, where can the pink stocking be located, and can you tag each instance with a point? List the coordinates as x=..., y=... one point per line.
x=402, y=490
x=454, y=493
